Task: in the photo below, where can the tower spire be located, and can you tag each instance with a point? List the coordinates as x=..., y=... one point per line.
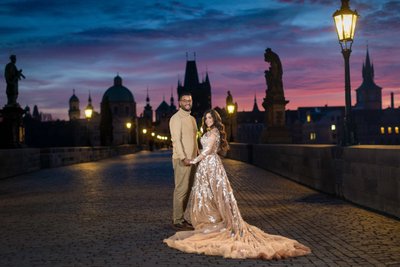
x=172, y=97
x=255, y=106
x=90, y=99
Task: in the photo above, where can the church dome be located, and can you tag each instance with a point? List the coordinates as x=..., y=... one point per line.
x=73, y=98
x=118, y=92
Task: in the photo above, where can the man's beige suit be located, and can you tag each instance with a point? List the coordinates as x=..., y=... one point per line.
x=183, y=130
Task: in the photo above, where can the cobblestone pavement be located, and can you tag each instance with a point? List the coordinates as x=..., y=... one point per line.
x=116, y=212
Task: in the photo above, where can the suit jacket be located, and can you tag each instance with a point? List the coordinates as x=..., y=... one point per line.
x=183, y=130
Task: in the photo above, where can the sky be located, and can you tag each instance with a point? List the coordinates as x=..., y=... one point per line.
x=63, y=45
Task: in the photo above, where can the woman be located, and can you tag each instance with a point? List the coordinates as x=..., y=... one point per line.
x=219, y=228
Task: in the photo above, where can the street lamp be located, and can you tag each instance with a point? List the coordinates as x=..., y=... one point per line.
x=129, y=126
x=144, y=131
x=231, y=110
x=89, y=112
x=88, y=115
x=345, y=21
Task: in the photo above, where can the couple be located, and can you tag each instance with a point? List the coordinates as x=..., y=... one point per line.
x=210, y=206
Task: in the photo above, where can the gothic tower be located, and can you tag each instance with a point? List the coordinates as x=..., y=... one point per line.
x=201, y=91
x=148, y=110
x=369, y=95
x=74, y=111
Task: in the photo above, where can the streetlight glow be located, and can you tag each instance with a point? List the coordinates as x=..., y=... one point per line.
x=128, y=125
x=231, y=108
x=89, y=112
x=345, y=21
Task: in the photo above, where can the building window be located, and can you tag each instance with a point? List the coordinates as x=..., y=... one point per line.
x=389, y=130
x=115, y=110
x=382, y=130
x=313, y=136
x=308, y=118
x=396, y=130
x=127, y=111
x=333, y=127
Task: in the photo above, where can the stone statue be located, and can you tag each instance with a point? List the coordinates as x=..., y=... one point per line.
x=275, y=131
x=229, y=99
x=273, y=75
x=12, y=76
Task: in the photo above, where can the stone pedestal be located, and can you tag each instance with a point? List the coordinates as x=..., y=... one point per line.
x=275, y=131
x=12, y=133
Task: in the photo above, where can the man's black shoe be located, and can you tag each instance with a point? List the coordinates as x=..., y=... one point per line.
x=183, y=226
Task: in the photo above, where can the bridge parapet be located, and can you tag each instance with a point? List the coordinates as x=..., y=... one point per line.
x=366, y=175
x=18, y=161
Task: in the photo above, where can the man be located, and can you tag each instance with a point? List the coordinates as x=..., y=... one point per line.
x=12, y=75
x=183, y=130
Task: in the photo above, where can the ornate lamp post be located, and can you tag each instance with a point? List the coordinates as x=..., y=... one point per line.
x=88, y=115
x=129, y=126
x=231, y=110
x=144, y=131
x=345, y=21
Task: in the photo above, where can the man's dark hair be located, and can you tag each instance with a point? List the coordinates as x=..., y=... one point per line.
x=184, y=93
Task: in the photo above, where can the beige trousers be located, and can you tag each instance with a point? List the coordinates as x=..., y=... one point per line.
x=184, y=176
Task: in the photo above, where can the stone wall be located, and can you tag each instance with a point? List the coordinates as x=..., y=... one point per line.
x=18, y=161
x=365, y=175
x=371, y=177
x=61, y=156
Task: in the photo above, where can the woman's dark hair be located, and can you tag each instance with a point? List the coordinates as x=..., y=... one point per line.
x=223, y=144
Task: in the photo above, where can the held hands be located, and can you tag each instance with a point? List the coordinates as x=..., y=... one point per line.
x=186, y=162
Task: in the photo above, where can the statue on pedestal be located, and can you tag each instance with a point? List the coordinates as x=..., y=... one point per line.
x=12, y=76
x=274, y=102
x=12, y=129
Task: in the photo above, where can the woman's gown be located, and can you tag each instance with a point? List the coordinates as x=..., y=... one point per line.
x=219, y=228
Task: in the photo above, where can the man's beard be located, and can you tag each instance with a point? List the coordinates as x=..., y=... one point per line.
x=190, y=108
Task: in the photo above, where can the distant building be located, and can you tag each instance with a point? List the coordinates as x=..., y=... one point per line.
x=315, y=125
x=74, y=112
x=324, y=125
x=42, y=131
x=201, y=91
x=148, y=112
x=369, y=95
x=123, y=109
x=250, y=125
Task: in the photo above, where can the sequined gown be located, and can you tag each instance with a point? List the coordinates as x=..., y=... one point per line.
x=219, y=226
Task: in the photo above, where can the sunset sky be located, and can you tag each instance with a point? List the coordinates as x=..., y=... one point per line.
x=64, y=45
